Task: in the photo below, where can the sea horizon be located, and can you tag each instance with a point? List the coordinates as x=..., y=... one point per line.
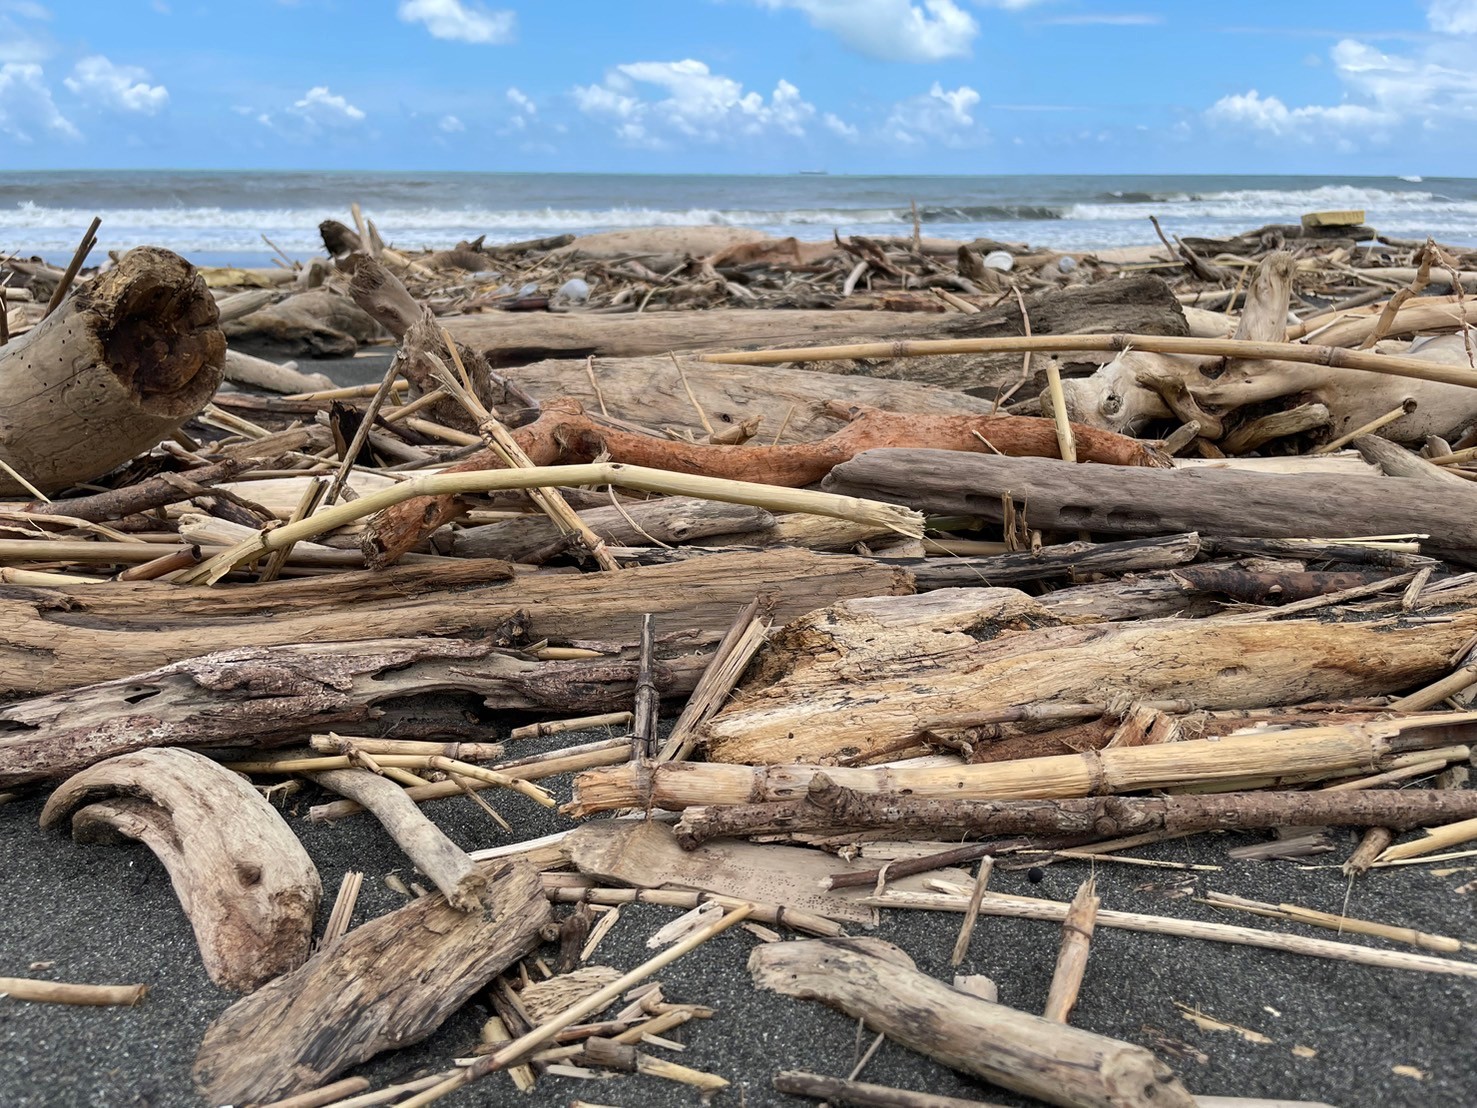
x=218, y=217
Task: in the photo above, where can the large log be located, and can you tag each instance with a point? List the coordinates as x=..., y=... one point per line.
x=865, y=676
x=1055, y=495
x=53, y=639
x=241, y=875
x=118, y=366
x=1051, y=1061
x=384, y=985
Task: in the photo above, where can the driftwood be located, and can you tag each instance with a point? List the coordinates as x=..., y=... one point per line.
x=1054, y=495
x=865, y=676
x=382, y=986
x=318, y=323
x=45, y=648
x=646, y=854
x=1313, y=750
x=120, y=365
x=258, y=373
x=265, y=696
x=563, y=434
x=1014, y=1049
x=241, y=875
x=828, y=806
x=440, y=859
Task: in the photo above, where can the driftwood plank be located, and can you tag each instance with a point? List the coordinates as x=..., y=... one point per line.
x=241, y=875
x=384, y=985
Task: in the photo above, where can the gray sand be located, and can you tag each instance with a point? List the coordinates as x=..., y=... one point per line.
x=108, y=914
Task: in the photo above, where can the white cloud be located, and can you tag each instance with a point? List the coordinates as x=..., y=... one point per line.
x=26, y=44
x=452, y=19
x=451, y=124
x=26, y=106
x=1271, y=116
x=322, y=107
x=525, y=111
x=894, y=30
x=522, y=101
x=701, y=105
x=839, y=126
x=1453, y=17
x=124, y=88
x=941, y=116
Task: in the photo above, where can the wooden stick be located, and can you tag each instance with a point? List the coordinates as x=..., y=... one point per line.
x=647, y=702
x=1453, y=834
x=840, y=1091
x=343, y=907
x=776, y=914
x=387, y=1094
x=1055, y=911
x=1405, y=408
x=89, y=240
x=1071, y=959
x=324, y=1095
x=466, y=752
x=60, y=992
x=560, y=726
x=292, y=764
x=1331, y=356
x=736, y=649
x=1441, y=944
x=1370, y=847
x=972, y=913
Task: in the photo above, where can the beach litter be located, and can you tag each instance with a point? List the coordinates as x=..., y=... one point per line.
x=875, y=567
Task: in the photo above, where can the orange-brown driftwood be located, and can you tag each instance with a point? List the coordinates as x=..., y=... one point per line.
x=563, y=434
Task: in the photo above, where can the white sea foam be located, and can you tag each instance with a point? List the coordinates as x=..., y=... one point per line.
x=1271, y=204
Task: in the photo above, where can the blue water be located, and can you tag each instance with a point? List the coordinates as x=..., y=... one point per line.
x=219, y=217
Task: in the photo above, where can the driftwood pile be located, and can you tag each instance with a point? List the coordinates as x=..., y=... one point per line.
x=973, y=562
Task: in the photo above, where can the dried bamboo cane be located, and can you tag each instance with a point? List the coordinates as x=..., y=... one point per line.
x=324, y=1095
x=60, y=992
x=1334, y=357
x=1453, y=834
x=1440, y=944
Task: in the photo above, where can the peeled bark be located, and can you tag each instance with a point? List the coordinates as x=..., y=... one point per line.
x=241, y=875
x=118, y=366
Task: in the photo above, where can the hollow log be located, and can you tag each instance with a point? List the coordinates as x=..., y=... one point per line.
x=46, y=645
x=384, y=985
x=1055, y=495
x=1016, y=1050
x=242, y=877
x=117, y=367
x=1312, y=750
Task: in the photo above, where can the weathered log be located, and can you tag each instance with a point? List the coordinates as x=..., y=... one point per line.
x=1055, y=495
x=563, y=434
x=46, y=645
x=318, y=323
x=382, y=986
x=264, y=696
x=1054, y=1062
x=241, y=875
x=258, y=373
x=864, y=676
x=120, y=365
x=1064, y=560
x=829, y=806
x=1320, y=750
x=425, y=844
x=673, y=519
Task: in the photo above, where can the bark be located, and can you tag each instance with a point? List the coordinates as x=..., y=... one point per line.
x=57, y=638
x=563, y=434
x=1271, y=586
x=425, y=844
x=266, y=696
x=1054, y=495
x=1014, y=1049
x=864, y=676
x=827, y=806
x=1312, y=750
x=382, y=986
x=119, y=366
x=241, y=875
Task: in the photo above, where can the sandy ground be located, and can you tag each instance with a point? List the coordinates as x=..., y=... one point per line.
x=103, y=914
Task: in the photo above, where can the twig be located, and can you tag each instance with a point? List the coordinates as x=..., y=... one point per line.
x=701, y=415
x=59, y=992
x=972, y=913
x=89, y=240
x=361, y=433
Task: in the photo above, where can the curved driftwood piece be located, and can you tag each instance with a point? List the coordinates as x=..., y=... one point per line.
x=241, y=875
x=1016, y=1050
x=425, y=844
x=117, y=367
x=382, y=986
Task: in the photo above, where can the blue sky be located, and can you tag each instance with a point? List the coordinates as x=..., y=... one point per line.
x=734, y=86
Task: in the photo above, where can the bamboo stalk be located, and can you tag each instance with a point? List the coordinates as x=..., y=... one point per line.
x=466, y=752
x=1055, y=911
x=841, y=1091
x=89, y=240
x=737, y=648
x=1440, y=944
x=1332, y=356
x=343, y=908
x=324, y=1095
x=401, y=761
x=1453, y=834
x=686, y=898
x=560, y=726
x=1405, y=408
x=1071, y=959
x=904, y=521
x=60, y=992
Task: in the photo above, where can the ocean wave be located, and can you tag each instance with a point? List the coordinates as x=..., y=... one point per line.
x=1272, y=204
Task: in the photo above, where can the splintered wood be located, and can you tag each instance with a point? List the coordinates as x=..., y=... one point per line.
x=862, y=597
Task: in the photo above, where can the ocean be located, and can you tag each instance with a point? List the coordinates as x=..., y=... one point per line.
x=219, y=218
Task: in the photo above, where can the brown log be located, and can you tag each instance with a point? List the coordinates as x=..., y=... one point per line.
x=382, y=986
x=563, y=434
x=1057, y=496
x=1312, y=750
x=1053, y=1062
x=1271, y=586
x=117, y=367
x=150, y=493
x=425, y=844
x=265, y=696
x=828, y=806
x=859, y=678
x=241, y=875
